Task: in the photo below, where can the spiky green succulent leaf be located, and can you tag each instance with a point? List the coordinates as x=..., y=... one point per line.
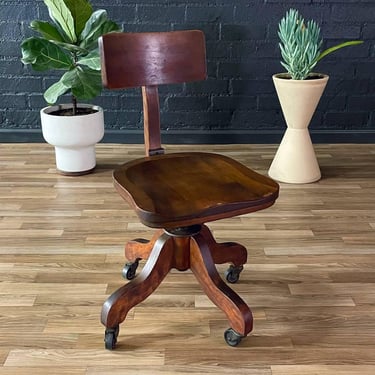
x=300, y=44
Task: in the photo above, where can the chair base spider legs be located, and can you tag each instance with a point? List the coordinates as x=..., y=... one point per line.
x=183, y=248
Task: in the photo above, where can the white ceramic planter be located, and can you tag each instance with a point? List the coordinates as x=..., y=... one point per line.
x=295, y=160
x=74, y=138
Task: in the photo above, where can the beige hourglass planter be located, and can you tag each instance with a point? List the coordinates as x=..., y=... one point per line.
x=295, y=160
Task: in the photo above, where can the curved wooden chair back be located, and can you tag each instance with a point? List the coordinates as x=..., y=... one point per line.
x=150, y=59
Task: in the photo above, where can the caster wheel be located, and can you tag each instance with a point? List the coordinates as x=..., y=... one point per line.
x=130, y=269
x=110, y=337
x=232, y=274
x=231, y=337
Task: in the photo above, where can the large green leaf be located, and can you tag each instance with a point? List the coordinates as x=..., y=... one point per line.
x=84, y=82
x=97, y=25
x=81, y=11
x=44, y=55
x=53, y=92
x=61, y=14
x=92, y=60
x=47, y=30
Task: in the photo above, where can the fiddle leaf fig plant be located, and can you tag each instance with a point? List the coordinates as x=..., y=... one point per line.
x=300, y=44
x=69, y=42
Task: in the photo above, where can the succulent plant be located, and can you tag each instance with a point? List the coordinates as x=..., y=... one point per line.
x=300, y=44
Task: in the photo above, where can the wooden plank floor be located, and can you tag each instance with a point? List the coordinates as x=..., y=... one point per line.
x=310, y=278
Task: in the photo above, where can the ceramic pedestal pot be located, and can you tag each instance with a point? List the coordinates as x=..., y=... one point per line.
x=74, y=137
x=295, y=160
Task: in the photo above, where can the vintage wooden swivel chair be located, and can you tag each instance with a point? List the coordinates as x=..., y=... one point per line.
x=177, y=193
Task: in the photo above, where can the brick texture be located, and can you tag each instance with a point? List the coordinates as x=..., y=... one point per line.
x=242, y=51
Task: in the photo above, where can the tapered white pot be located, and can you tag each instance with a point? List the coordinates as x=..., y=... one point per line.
x=74, y=137
x=295, y=160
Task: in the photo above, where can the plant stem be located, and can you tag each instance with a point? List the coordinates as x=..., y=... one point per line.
x=74, y=102
x=74, y=99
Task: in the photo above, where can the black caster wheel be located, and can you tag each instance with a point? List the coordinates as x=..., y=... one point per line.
x=231, y=337
x=130, y=269
x=110, y=337
x=232, y=274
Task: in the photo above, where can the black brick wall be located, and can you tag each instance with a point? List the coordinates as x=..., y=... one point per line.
x=238, y=102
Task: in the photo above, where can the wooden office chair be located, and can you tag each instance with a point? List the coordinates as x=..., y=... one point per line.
x=177, y=193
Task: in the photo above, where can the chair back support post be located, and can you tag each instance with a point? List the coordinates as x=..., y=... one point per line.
x=151, y=120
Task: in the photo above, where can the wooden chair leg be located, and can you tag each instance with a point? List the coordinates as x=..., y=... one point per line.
x=225, y=252
x=117, y=306
x=141, y=248
x=135, y=251
x=201, y=263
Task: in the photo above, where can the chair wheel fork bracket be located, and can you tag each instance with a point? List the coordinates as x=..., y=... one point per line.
x=232, y=274
x=110, y=337
x=130, y=269
x=232, y=337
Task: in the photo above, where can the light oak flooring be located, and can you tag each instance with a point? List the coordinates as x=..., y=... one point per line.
x=310, y=277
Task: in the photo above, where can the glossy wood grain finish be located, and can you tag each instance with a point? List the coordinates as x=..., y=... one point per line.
x=182, y=189
x=238, y=313
x=152, y=59
x=178, y=192
x=149, y=60
x=181, y=253
x=151, y=119
x=309, y=277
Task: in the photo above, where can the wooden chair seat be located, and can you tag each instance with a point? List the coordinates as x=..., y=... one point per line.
x=177, y=193
x=183, y=189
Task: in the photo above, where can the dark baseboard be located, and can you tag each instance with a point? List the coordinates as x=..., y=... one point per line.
x=202, y=137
